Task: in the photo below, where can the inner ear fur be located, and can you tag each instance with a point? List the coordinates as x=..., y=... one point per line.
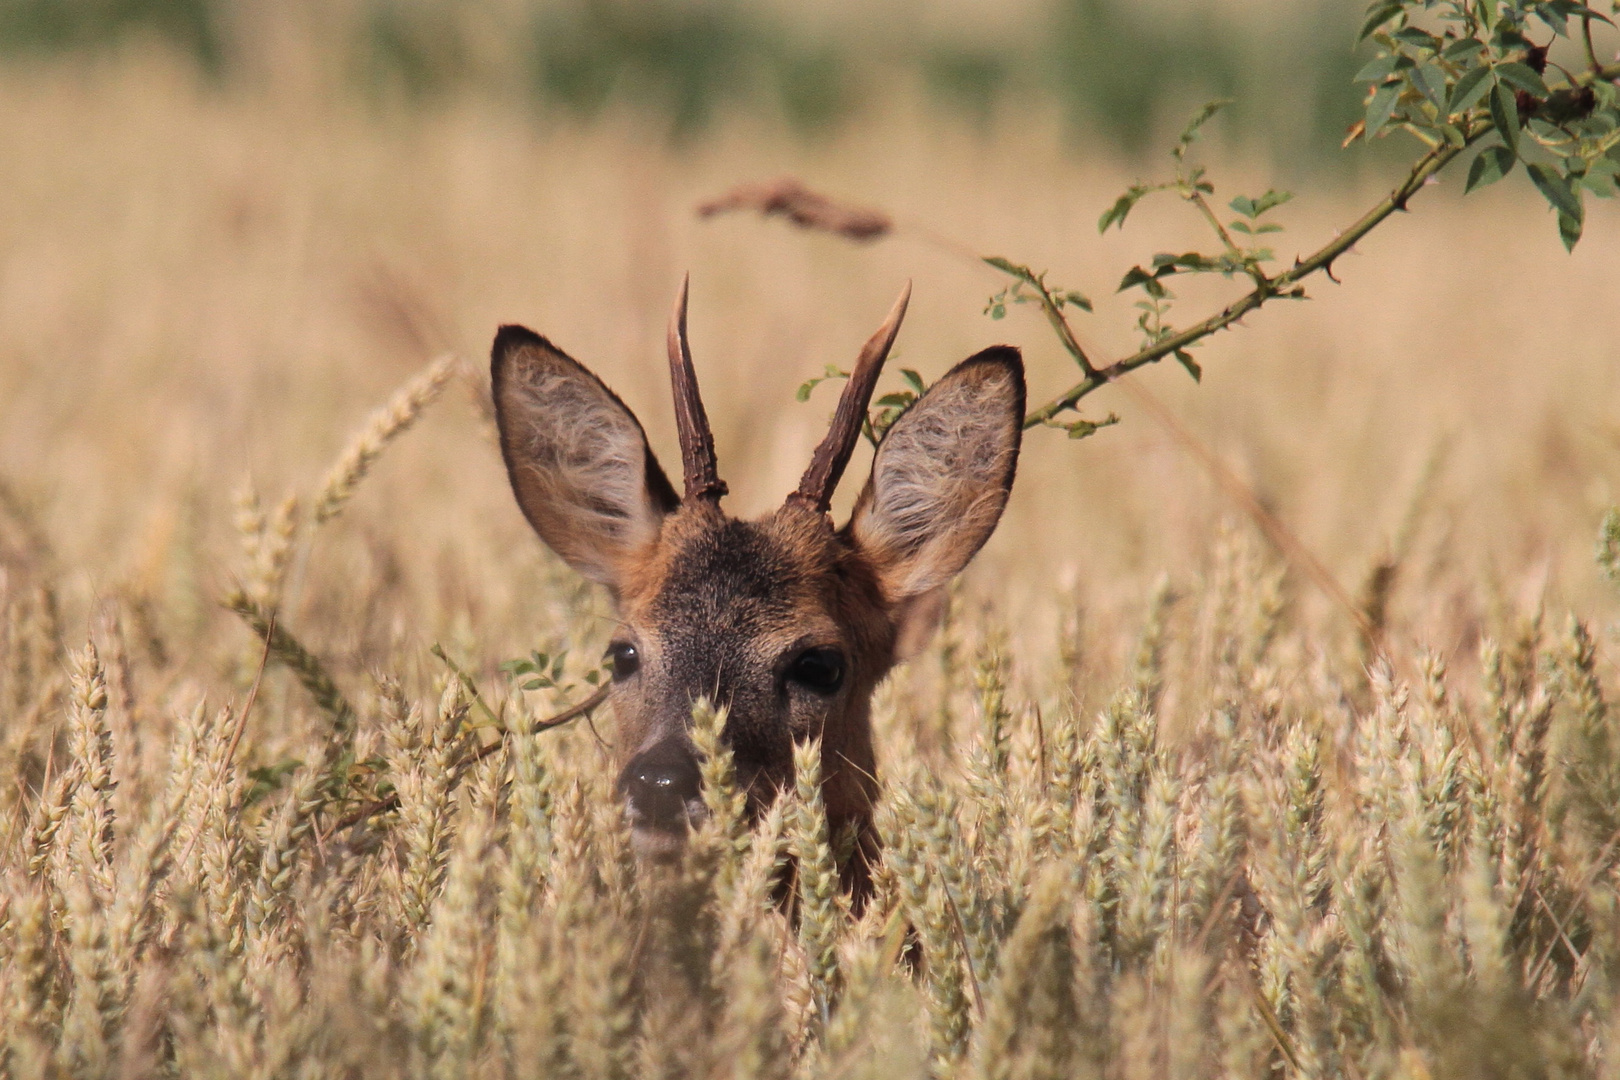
x=577, y=457
x=940, y=479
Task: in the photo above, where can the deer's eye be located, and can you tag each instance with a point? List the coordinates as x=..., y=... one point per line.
x=624, y=658
x=820, y=670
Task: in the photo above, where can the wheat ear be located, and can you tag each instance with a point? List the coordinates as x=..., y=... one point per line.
x=382, y=427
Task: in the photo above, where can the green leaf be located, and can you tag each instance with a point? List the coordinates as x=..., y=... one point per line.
x=831, y=371
x=1381, y=107
x=1379, y=12
x=1505, y=115
x=1378, y=68
x=898, y=399
x=1557, y=191
x=1463, y=48
x=1199, y=119
x=1116, y=214
x=913, y=380
x=1431, y=83
x=1523, y=77
x=1073, y=298
x=1569, y=231
x=1600, y=177
x=1253, y=208
x=1422, y=39
x=1006, y=266
x=1493, y=163
x=1081, y=429
x=1190, y=364
x=1196, y=263
x=1133, y=277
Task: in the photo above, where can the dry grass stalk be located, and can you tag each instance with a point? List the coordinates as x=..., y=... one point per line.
x=819, y=912
x=1287, y=878
x=383, y=427
x=311, y=673
x=788, y=198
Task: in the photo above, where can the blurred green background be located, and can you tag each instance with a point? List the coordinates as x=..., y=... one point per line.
x=1120, y=69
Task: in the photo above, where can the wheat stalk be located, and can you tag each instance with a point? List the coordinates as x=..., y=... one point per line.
x=382, y=427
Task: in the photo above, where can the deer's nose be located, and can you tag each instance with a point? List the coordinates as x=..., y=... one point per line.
x=659, y=782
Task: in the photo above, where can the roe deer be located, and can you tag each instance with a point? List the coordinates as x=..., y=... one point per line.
x=786, y=621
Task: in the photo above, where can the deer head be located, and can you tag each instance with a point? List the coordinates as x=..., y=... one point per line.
x=786, y=621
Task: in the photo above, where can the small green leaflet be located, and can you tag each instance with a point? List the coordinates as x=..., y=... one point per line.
x=1431, y=83
x=543, y=670
x=1253, y=208
x=1463, y=48
x=1381, y=108
x=1379, y=12
x=1200, y=118
x=832, y=371
x=1557, y=191
x=1473, y=85
x=1493, y=163
x=1116, y=214
x=1081, y=429
x=1505, y=115
x=1523, y=77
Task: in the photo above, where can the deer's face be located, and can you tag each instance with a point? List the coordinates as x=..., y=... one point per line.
x=778, y=621
x=783, y=621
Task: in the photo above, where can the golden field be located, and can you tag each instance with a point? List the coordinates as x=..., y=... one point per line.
x=1224, y=844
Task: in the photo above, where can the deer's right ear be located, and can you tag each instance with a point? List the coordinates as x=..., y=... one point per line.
x=577, y=456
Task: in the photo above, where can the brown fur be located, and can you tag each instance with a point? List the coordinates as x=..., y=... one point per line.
x=723, y=609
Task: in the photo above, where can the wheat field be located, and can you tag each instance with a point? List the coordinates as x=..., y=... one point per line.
x=1153, y=807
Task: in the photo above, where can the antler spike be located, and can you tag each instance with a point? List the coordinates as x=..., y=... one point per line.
x=828, y=462
x=698, y=465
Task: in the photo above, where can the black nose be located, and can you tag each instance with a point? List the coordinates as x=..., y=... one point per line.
x=659, y=782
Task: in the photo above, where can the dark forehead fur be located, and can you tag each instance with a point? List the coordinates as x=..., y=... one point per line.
x=741, y=570
x=713, y=573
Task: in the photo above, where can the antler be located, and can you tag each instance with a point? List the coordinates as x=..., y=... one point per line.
x=827, y=463
x=698, y=465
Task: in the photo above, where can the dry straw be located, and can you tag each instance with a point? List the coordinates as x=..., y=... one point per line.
x=1248, y=863
x=383, y=427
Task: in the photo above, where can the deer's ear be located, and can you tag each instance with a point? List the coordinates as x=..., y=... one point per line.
x=578, y=459
x=940, y=480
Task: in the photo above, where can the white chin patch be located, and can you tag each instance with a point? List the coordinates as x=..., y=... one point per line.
x=657, y=845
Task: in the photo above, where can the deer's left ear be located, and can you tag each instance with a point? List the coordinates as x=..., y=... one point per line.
x=939, y=482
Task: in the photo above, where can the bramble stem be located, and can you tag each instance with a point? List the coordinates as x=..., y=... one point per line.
x=1196, y=197
x=1286, y=284
x=1065, y=333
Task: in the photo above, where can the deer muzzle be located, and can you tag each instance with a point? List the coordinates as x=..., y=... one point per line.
x=663, y=788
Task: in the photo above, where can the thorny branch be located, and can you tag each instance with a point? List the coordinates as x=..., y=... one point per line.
x=1288, y=284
